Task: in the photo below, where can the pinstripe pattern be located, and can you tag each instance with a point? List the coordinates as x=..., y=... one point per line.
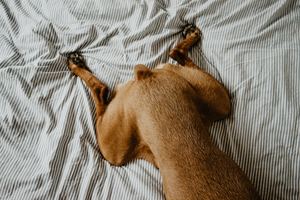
x=48, y=148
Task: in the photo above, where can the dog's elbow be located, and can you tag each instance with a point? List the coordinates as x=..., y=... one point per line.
x=115, y=162
x=219, y=105
x=112, y=152
x=112, y=158
x=224, y=107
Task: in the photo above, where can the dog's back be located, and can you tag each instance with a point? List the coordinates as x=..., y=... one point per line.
x=169, y=119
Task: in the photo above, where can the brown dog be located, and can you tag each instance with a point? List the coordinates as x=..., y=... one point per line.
x=162, y=116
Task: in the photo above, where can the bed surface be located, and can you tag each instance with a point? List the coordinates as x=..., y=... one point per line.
x=48, y=148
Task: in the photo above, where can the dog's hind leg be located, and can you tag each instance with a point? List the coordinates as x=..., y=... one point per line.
x=192, y=35
x=98, y=89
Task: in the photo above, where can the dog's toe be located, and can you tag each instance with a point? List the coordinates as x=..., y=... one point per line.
x=75, y=61
x=190, y=30
x=75, y=58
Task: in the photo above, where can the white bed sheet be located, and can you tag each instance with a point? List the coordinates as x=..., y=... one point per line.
x=48, y=148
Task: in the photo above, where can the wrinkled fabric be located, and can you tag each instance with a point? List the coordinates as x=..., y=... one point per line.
x=48, y=148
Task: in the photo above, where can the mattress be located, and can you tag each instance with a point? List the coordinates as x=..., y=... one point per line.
x=48, y=147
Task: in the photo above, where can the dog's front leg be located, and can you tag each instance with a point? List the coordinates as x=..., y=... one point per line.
x=115, y=129
x=215, y=101
x=98, y=89
x=192, y=35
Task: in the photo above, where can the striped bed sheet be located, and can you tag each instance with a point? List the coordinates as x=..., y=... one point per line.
x=48, y=148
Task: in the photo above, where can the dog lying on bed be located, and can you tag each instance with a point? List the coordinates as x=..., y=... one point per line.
x=162, y=116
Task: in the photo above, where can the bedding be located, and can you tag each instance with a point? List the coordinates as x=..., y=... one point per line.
x=48, y=148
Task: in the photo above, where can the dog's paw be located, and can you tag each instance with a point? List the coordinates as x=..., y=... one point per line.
x=75, y=61
x=75, y=58
x=191, y=31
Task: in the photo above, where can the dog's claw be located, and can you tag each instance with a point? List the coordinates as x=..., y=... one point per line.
x=75, y=58
x=191, y=29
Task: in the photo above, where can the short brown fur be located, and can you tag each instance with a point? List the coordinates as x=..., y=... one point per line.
x=162, y=116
